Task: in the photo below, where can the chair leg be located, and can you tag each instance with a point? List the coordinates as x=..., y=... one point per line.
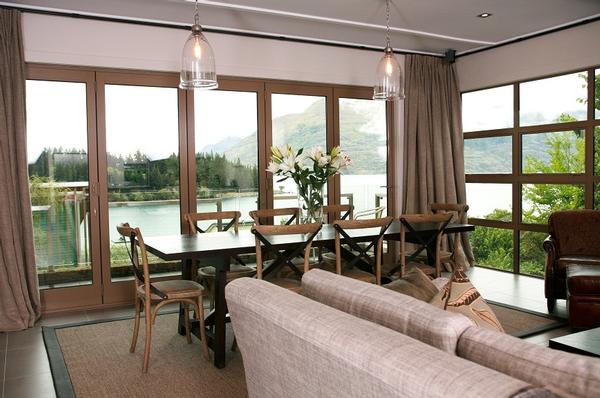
x=211, y=294
x=136, y=324
x=200, y=315
x=186, y=321
x=551, y=303
x=148, y=309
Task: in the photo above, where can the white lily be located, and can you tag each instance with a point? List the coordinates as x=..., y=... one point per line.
x=273, y=167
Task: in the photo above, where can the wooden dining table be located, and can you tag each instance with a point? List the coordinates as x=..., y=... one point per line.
x=217, y=249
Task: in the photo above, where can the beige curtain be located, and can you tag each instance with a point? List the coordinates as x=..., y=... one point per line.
x=19, y=297
x=433, y=143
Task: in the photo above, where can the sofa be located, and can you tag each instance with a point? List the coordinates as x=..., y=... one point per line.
x=574, y=238
x=347, y=338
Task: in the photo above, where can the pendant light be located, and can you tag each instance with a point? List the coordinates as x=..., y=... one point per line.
x=198, y=60
x=389, y=84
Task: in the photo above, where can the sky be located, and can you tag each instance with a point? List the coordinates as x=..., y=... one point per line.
x=549, y=97
x=143, y=118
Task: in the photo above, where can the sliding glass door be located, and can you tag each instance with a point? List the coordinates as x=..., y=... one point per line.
x=299, y=116
x=226, y=125
x=106, y=147
x=61, y=157
x=139, y=168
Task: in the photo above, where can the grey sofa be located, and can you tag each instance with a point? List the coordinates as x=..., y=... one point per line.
x=346, y=338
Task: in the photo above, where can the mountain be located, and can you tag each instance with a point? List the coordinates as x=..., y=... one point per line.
x=307, y=129
x=493, y=155
x=221, y=146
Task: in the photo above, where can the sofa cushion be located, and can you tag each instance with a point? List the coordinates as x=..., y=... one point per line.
x=396, y=311
x=565, y=373
x=565, y=261
x=460, y=296
x=583, y=280
x=295, y=347
x=576, y=232
x=415, y=284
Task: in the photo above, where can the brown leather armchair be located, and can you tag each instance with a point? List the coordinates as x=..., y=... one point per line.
x=574, y=239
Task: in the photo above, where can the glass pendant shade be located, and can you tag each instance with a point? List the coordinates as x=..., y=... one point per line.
x=389, y=84
x=198, y=62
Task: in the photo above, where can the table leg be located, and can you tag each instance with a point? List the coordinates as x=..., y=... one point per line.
x=186, y=273
x=220, y=314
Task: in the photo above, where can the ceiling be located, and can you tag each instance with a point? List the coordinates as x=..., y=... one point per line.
x=425, y=26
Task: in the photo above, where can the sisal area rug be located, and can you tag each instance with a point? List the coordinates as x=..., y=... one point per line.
x=93, y=360
x=523, y=323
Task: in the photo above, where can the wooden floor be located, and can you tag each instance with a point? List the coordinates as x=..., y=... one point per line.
x=25, y=372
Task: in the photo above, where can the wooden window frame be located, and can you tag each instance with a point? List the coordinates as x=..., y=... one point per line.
x=110, y=294
x=517, y=178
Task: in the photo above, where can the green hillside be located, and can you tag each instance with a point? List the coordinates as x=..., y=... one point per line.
x=493, y=155
x=307, y=129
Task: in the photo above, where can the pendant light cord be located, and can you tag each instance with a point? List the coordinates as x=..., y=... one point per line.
x=196, y=16
x=387, y=19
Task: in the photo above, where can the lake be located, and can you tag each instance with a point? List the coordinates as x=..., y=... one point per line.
x=162, y=218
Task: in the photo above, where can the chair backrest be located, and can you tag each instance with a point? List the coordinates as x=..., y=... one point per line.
x=232, y=219
x=576, y=232
x=458, y=210
x=342, y=228
x=412, y=223
x=265, y=216
x=284, y=257
x=139, y=258
x=370, y=213
x=225, y=221
x=338, y=212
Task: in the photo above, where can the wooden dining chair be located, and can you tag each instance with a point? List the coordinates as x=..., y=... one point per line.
x=369, y=213
x=449, y=245
x=360, y=249
x=264, y=236
x=330, y=214
x=338, y=212
x=410, y=223
x=223, y=221
x=151, y=296
x=266, y=216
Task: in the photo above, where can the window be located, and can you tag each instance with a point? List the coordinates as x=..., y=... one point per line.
x=142, y=150
x=493, y=247
x=488, y=155
x=299, y=121
x=490, y=201
x=551, y=170
x=57, y=150
x=111, y=146
x=226, y=151
x=495, y=103
x=550, y=153
x=363, y=134
x=558, y=99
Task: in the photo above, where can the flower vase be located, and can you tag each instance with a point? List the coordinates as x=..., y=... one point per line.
x=310, y=203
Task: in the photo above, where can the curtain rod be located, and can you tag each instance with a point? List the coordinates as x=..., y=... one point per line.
x=213, y=30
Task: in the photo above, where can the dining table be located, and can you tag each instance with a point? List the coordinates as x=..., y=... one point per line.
x=217, y=249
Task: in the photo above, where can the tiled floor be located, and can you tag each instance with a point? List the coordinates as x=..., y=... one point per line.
x=25, y=372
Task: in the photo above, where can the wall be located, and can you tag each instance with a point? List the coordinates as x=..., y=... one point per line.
x=554, y=53
x=72, y=41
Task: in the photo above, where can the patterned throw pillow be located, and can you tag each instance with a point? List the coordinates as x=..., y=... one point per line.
x=459, y=295
x=415, y=284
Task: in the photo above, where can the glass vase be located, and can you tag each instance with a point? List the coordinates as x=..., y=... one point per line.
x=310, y=203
